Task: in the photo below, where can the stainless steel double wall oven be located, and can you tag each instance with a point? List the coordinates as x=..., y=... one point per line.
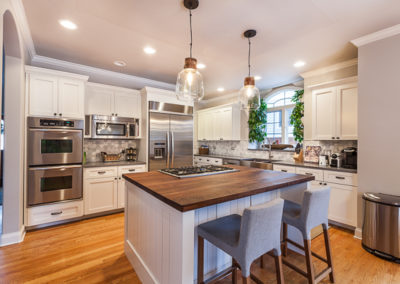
x=55, y=147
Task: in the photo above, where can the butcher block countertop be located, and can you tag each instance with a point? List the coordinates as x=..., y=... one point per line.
x=192, y=193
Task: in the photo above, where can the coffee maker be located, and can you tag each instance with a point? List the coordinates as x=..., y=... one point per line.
x=349, y=158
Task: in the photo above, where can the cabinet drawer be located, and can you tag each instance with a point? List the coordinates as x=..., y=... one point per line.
x=318, y=174
x=54, y=212
x=131, y=169
x=101, y=172
x=207, y=160
x=341, y=178
x=285, y=169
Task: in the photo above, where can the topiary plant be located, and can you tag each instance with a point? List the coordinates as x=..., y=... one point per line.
x=258, y=123
x=297, y=115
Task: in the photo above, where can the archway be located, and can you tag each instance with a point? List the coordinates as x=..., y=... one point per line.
x=12, y=142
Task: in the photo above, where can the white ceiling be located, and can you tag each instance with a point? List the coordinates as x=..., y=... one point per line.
x=316, y=31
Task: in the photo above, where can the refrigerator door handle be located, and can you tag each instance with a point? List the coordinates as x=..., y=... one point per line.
x=172, y=149
x=168, y=150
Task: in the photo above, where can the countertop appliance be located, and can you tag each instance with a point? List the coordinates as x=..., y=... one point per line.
x=381, y=227
x=349, y=158
x=335, y=161
x=323, y=160
x=186, y=172
x=55, y=147
x=170, y=136
x=111, y=127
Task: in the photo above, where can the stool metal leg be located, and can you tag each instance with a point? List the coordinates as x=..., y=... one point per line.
x=279, y=270
x=284, y=249
x=328, y=252
x=310, y=269
x=200, y=260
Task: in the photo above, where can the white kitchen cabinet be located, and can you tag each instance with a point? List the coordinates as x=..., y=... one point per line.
x=100, y=194
x=219, y=123
x=54, y=93
x=343, y=204
x=112, y=101
x=121, y=181
x=204, y=160
x=334, y=113
x=285, y=169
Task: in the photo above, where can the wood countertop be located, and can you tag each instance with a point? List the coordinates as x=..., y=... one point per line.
x=192, y=193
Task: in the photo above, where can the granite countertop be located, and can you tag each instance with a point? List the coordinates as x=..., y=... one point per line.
x=112, y=164
x=286, y=163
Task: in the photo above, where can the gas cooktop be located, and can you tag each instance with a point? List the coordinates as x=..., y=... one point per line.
x=186, y=172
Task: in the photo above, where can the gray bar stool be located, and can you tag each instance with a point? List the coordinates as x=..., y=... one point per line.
x=245, y=239
x=313, y=212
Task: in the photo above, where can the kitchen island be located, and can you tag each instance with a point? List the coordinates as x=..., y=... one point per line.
x=162, y=213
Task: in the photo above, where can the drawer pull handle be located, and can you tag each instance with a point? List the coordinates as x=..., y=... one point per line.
x=131, y=170
x=285, y=171
x=340, y=177
x=101, y=172
x=56, y=213
x=309, y=174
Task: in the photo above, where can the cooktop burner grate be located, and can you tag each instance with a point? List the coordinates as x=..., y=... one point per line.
x=185, y=172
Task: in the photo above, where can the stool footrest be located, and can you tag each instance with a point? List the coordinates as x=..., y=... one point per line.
x=295, y=268
x=220, y=275
x=323, y=274
x=302, y=248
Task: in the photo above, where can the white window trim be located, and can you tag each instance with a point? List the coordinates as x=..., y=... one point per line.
x=283, y=109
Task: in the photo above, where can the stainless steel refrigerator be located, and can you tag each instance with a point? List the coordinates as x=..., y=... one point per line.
x=170, y=136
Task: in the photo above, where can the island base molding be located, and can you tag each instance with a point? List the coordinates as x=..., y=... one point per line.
x=161, y=243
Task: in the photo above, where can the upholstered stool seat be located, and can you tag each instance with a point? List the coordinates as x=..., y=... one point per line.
x=313, y=212
x=244, y=238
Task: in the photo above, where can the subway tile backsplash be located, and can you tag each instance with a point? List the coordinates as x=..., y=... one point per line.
x=93, y=147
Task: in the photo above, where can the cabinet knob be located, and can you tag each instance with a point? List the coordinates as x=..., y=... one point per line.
x=60, y=114
x=55, y=114
x=116, y=114
x=333, y=137
x=112, y=114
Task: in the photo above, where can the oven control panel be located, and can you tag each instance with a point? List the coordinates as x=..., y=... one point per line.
x=62, y=123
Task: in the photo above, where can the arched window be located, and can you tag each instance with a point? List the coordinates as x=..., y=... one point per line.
x=280, y=107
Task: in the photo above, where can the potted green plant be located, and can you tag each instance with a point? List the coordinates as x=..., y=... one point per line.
x=258, y=123
x=296, y=117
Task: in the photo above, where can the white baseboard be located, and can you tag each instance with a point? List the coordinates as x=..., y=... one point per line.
x=12, y=238
x=358, y=233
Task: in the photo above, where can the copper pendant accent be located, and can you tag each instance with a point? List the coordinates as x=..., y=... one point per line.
x=249, y=81
x=190, y=62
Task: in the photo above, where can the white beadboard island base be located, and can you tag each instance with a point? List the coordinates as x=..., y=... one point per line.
x=161, y=243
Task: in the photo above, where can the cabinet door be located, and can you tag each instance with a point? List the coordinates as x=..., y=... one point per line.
x=201, y=126
x=122, y=181
x=42, y=95
x=127, y=104
x=100, y=194
x=99, y=100
x=71, y=98
x=206, y=126
x=324, y=114
x=346, y=125
x=223, y=120
x=343, y=204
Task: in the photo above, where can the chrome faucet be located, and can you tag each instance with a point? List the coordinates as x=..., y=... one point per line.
x=269, y=149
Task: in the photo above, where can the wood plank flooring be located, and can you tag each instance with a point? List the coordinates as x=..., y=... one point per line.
x=91, y=251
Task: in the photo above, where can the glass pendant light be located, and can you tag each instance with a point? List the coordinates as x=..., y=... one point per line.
x=249, y=95
x=189, y=84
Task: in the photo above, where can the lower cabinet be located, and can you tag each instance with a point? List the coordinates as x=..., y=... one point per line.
x=204, y=160
x=53, y=212
x=104, y=188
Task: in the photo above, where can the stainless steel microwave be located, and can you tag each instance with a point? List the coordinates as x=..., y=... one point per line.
x=111, y=127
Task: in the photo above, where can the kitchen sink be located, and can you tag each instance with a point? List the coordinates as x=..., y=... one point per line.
x=265, y=164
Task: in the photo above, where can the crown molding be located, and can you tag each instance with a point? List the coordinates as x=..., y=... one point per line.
x=94, y=73
x=22, y=23
x=330, y=68
x=382, y=34
x=220, y=98
x=32, y=69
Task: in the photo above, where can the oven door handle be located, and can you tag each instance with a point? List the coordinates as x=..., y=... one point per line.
x=55, y=167
x=54, y=130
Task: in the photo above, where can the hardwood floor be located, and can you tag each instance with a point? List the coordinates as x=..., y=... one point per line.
x=91, y=251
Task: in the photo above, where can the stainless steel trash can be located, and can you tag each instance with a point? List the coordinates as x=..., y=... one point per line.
x=381, y=227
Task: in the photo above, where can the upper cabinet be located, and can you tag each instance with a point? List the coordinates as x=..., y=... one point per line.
x=334, y=112
x=54, y=93
x=219, y=123
x=113, y=101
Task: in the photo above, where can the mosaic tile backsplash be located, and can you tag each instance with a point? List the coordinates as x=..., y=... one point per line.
x=93, y=147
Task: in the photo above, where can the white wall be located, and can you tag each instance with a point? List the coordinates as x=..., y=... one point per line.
x=378, y=117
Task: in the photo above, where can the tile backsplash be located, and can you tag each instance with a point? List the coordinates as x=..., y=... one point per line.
x=93, y=147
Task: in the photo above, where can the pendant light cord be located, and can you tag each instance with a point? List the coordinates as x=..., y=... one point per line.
x=191, y=34
x=248, y=59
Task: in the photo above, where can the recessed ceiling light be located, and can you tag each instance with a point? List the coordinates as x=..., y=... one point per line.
x=257, y=78
x=149, y=50
x=201, y=66
x=299, y=64
x=220, y=89
x=68, y=24
x=119, y=63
